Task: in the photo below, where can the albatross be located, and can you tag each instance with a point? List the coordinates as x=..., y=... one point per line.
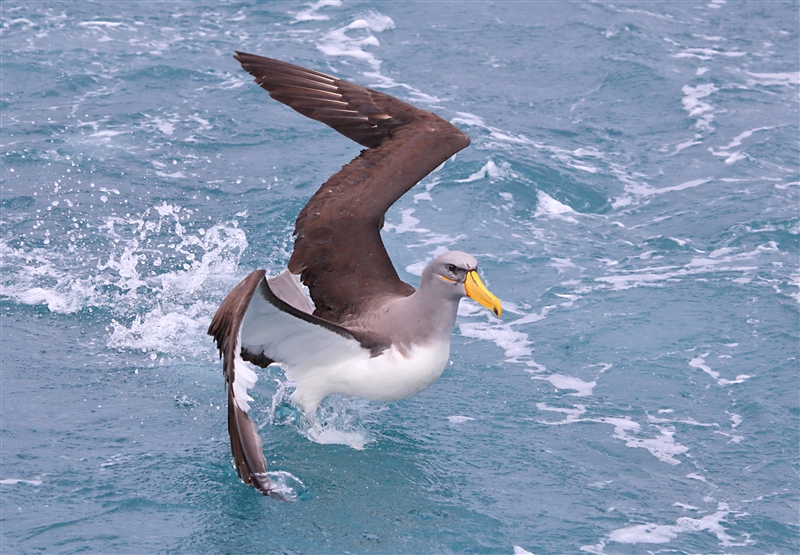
x=363, y=332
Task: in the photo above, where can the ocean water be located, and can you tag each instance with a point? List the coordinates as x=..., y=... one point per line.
x=631, y=194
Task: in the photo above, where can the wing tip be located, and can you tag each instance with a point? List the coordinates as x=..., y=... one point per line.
x=248, y=455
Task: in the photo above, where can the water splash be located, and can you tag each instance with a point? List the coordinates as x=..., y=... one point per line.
x=148, y=272
x=337, y=420
x=287, y=485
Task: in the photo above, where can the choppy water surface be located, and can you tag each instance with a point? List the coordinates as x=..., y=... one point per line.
x=631, y=194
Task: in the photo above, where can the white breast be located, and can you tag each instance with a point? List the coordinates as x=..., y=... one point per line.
x=387, y=377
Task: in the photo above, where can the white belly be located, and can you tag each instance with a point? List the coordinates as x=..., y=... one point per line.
x=387, y=377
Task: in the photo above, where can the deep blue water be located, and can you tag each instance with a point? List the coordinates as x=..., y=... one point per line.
x=631, y=193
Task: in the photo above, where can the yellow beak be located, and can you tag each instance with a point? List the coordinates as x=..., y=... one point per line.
x=477, y=290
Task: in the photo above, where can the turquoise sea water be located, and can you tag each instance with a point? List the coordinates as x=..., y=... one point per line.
x=631, y=193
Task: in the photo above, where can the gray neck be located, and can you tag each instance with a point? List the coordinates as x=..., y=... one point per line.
x=425, y=317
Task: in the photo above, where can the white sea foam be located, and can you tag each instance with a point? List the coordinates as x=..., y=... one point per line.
x=518, y=348
x=490, y=170
x=21, y=21
x=495, y=133
x=700, y=363
x=794, y=281
x=571, y=158
x=737, y=140
x=733, y=438
x=107, y=135
x=515, y=344
x=572, y=415
x=459, y=419
x=698, y=109
x=380, y=81
x=311, y=13
x=685, y=144
x=338, y=42
x=101, y=24
x=562, y=264
x=665, y=533
x=15, y=481
x=773, y=79
x=690, y=421
x=704, y=53
x=681, y=186
x=663, y=446
x=116, y=460
x=731, y=157
x=714, y=263
x=468, y=119
x=166, y=127
x=510, y=201
x=408, y=223
x=580, y=387
x=550, y=207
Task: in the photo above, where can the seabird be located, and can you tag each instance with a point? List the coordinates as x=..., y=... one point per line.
x=364, y=332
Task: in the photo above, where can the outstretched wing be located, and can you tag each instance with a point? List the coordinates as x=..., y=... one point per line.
x=254, y=323
x=338, y=251
x=225, y=328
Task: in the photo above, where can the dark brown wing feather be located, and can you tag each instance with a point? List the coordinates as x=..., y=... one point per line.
x=245, y=441
x=338, y=251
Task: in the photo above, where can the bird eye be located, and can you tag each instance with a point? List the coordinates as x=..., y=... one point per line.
x=451, y=268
